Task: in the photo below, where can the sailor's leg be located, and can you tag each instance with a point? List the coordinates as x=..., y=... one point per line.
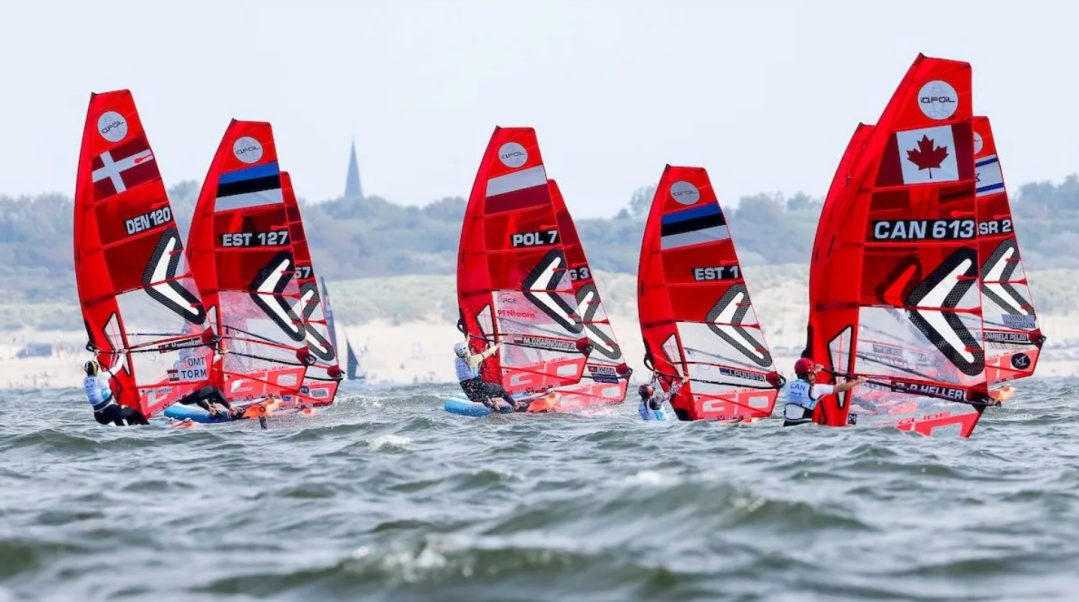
x=133, y=417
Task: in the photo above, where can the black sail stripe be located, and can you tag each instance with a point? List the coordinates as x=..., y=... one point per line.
x=245, y=186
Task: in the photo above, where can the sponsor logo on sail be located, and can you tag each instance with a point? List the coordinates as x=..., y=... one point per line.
x=685, y=193
x=512, y=155
x=938, y=100
x=112, y=126
x=516, y=313
x=1020, y=361
x=1015, y=338
x=1019, y=321
x=247, y=149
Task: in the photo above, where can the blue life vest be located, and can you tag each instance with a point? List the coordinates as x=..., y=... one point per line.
x=97, y=390
x=464, y=372
x=647, y=413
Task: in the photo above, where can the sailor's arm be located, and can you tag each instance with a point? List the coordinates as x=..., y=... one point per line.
x=116, y=366
x=843, y=387
x=474, y=359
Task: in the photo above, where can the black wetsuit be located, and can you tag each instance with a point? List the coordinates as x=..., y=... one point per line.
x=204, y=397
x=481, y=391
x=120, y=416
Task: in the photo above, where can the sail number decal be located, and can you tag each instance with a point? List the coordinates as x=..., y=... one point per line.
x=541, y=238
x=581, y=273
x=723, y=272
x=995, y=226
x=150, y=219
x=924, y=229
x=274, y=238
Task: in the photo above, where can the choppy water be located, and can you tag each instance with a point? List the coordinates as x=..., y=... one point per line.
x=386, y=497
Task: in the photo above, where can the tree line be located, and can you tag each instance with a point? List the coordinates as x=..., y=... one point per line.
x=371, y=237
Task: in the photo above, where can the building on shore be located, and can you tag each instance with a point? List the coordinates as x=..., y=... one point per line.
x=353, y=188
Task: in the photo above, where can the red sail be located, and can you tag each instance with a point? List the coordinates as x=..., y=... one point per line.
x=323, y=375
x=694, y=306
x=606, y=375
x=1013, y=338
x=896, y=297
x=244, y=261
x=138, y=302
x=837, y=205
x=512, y=283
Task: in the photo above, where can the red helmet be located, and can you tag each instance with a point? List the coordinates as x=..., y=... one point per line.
x=804, y=366
x=646, y=391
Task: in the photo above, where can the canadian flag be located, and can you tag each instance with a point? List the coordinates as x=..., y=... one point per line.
x=928, y=156
x=124, y=167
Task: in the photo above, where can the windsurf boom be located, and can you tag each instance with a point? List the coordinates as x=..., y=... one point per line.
x=138, y=301
x=695, y=311
x=895, y=293
x=243, y=258
x=1013, y=338
x=513, y=282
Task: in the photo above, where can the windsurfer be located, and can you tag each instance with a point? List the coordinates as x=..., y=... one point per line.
x=210, y=396
x=653, y=400
x=467, y=366
x=99, y=394
x=804, y=393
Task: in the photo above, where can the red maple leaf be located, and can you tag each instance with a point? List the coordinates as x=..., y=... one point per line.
x=926, y=156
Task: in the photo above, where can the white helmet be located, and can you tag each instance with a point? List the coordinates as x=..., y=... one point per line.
x=459, y=349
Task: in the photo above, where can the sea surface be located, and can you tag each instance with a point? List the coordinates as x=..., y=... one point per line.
x=387, y=497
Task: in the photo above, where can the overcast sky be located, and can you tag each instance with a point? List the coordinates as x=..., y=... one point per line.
x=764, y=95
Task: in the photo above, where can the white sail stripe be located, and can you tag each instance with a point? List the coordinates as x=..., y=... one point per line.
x=266, y=291
x=936, y=298
x=996, y=273
x=674, y=241
x=518, y=180
x=589, y=328
x=161, y=275
x=248, y=199
x=547, y=298
x=726, y=316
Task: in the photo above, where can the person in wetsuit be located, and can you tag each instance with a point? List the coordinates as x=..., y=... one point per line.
x=804, y=393
x=467, y=366
x=653, y=398
x=99, y=394
x=210, y=396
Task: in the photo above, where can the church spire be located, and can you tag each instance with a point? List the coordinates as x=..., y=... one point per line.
x=352, y=183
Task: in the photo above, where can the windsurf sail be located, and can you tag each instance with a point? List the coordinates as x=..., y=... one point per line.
x=694, y=306
x=896, y=295
x=1013, y=338
x=323, y=373
x=244, y=261
x=139, y=303
x=339, y=338
x=513, y=284
x=606, y=375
